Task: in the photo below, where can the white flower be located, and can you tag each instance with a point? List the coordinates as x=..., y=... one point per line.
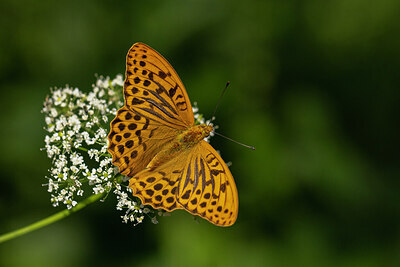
x=48, y=120
x=76, y=159
x=61, y=162
x=93, y=152
x=93, y=176
x=53, y=112
x=140, y=219
x=103, y=82
x=117, y=81
x=98, y=189
x=74, y=169
x=74, y=122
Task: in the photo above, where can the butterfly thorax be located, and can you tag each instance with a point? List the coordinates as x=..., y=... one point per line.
x=185, y=140
x=193, y=135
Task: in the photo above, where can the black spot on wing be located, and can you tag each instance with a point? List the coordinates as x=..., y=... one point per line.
x=186, y=195
x=162, y=74
x=136, y=101
x=172, y=91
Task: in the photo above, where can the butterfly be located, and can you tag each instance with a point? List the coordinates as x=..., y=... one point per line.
x=154, y=140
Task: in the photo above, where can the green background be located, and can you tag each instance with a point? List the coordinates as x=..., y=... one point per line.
x=314, y=87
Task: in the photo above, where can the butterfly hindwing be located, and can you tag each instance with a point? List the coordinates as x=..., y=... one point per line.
x=159, y=187
x=196, y=180
x=152, y=88
x=207, y=187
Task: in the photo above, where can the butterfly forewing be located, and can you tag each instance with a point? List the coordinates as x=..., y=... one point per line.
x=134, y=140
x=152, y=88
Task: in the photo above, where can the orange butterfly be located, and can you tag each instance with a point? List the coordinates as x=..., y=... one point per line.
x=154, y=140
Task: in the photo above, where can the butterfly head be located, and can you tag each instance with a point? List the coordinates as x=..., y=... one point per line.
x=205, y=130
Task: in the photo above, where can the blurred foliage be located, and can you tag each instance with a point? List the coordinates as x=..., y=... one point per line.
x=314, y=87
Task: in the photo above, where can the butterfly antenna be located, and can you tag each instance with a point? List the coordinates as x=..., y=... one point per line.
x=251, y=147
x=219, y=100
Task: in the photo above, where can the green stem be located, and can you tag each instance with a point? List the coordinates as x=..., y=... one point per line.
x=51, y=219
x=83, y=149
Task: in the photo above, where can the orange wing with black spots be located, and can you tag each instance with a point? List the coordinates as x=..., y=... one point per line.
x=156, y=108
x=134, y=140
x=152, y=88
x=196, y=180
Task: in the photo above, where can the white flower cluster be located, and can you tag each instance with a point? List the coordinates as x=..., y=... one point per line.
x=77, y=124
